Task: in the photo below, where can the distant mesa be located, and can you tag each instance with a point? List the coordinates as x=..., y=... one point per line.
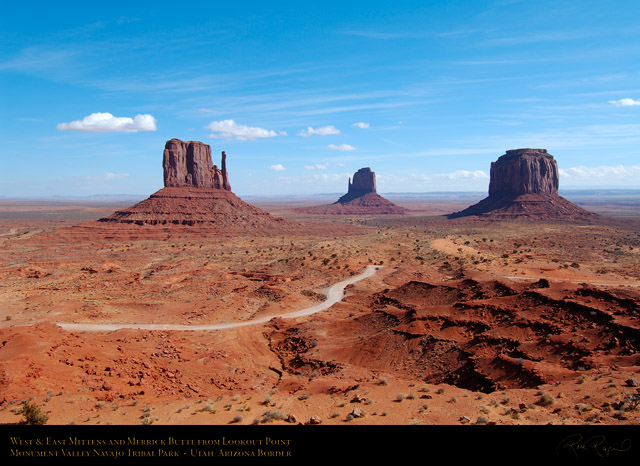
x=364, y=182
x=524, y=184
x=361, y=199
x=197, y=192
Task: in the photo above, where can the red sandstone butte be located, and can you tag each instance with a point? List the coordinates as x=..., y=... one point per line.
x=524, y=184
x=361, y=199
x=188, y=164
x=196, y=192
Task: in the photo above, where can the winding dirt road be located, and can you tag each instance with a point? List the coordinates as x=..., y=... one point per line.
x=335, y=293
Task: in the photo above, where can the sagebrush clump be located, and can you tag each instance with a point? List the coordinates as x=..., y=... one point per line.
x=32, y=413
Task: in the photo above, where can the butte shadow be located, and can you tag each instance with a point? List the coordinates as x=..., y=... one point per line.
x=524, y=184
x=361, y=199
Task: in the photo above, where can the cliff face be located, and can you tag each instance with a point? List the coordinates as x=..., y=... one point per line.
x=197, y=193
x=188, y=164
x=524, y=171
x=364, y=182
x=524, y=184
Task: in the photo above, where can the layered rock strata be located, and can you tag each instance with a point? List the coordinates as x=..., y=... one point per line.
x=524, y=184
x=524, y=171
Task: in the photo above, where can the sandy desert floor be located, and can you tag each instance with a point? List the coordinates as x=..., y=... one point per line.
x=466, y=322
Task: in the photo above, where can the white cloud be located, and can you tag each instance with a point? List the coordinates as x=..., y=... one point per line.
x=331, y=178
x=317, y=166
x=464, y=174
x=105, y=122
x=322, y=131
x=278, y=167
x=341, y=147
x=361, y=125
x=618, y=171
x=229, y=129
x=625, y=102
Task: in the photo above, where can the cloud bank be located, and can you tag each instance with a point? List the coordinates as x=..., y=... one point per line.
x=466, y=175
x=278, y=167
x=106, y=122
x=615, y=172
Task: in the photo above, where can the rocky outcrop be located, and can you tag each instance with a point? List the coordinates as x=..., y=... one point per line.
x=197, y=193
x=524, y=184
x=364, y=182
x=361, y=199
x=188, y=164
x=524, y=171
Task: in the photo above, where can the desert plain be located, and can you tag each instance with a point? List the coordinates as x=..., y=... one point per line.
x=465, y=321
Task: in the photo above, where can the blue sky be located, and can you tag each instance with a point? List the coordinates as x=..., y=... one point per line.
x=301, y=95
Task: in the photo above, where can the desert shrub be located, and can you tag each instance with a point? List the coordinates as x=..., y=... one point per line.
x=630, y=402
x=272, y=416
x=209, y=408
x=545, y=400
x=32, y=413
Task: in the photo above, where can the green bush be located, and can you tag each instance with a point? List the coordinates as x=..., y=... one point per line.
x=32, y=413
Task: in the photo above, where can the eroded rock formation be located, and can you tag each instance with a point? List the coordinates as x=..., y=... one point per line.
x=198, y=193
x=524, y=184
x=361, y=199
x=524, y=171
x=364, y=182
x=188, y=164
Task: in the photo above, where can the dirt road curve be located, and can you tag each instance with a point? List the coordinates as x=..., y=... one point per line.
x=335, y=293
